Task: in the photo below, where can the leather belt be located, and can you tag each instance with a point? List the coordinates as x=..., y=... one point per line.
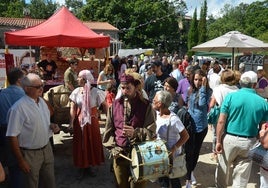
x=240, y=135
x=28, y=149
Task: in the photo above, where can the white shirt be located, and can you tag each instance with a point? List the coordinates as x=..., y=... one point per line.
x=214, y=80
x=30, y=122
x=221, y=91
x=176, y=74
x=175, y=128
x=96, y=97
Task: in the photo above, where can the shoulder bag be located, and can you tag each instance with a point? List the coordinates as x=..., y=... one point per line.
x=178, y=168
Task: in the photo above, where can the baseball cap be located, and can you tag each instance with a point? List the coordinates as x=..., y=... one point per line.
x=249, y=77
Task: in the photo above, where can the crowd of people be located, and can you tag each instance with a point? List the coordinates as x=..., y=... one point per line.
x=142, y=97
x=199, y=87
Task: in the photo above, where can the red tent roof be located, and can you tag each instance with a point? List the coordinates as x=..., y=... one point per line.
x=62, y=29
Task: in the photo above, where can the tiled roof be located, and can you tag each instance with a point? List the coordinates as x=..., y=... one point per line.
x=29, y=22
x=20, y=22
x=100, y=26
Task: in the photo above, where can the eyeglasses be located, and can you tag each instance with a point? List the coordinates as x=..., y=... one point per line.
x=38, y=87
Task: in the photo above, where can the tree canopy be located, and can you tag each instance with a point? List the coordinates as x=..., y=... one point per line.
x=154, y=23
x=142, y=24
x=250, y=19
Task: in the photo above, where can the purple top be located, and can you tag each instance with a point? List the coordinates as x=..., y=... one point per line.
x=183, y=88
x=263, y=83
x=138, y=112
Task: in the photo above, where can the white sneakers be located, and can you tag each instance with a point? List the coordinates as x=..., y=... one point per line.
x=193, y=180
x=188, y=184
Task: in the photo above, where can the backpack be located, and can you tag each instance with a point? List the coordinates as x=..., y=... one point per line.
x=187, y=120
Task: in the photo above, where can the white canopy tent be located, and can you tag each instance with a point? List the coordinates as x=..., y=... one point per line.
x=127, y=52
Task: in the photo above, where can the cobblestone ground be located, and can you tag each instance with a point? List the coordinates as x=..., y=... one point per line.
x=66, y=173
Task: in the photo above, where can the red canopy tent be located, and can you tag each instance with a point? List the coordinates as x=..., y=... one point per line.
x=62, y=29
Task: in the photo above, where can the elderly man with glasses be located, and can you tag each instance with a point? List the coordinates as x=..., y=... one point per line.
x=28, y=131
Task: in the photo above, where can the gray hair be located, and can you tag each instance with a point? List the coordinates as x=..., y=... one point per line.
x=245, y=82
x=29, y=78
x=164, y=97
x=190, y=68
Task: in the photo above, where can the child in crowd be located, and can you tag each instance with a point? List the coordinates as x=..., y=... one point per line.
x=110, y=94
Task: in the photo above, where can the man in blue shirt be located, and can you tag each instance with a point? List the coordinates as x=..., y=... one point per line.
x=8, y=97
x=241, y=114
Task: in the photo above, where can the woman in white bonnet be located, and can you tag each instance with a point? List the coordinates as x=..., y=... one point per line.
x=87, y=144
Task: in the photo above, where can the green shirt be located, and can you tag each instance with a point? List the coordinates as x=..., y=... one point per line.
x=245, y=110
x=70, y=77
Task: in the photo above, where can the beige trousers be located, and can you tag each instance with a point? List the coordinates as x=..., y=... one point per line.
x=42, y=167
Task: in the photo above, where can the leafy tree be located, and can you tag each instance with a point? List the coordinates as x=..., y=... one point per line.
x=15, y=9
x=143, y=23
x=3, y=7
x=249, y=19
x=256, y=19
x=202, y=25
x=42, y=9
x=193, y=32
x=74, y=6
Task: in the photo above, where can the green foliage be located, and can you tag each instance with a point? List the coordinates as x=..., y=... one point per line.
x=143, y=23
x=14, y=9
x=154, y=23
x=249, y=19
x=193, y=32
x=74, y=6
x=42, y=9
x=202, y=25
x=3, y=7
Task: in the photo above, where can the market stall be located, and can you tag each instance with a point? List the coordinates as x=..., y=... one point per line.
x=62, y=29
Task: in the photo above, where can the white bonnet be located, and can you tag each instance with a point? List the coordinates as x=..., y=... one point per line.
x=86, y=74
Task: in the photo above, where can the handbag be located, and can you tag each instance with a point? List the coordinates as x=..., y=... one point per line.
x=178, y=168
x=213, y=115
x=259, y=155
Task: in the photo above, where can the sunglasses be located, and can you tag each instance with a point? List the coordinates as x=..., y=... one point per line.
x=37, y=87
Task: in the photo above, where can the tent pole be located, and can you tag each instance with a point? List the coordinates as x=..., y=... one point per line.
x=233, y=59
